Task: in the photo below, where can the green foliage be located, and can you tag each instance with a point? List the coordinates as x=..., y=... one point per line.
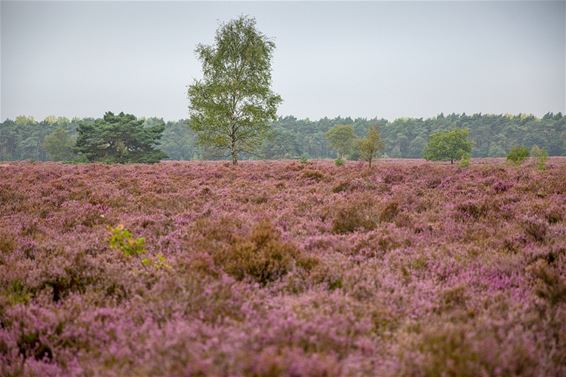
x=304, y=159
x=341, y=139
x=17, y=293
x=230, y=108
x=177, y=141
x=22, y=120
x=371, y=145
x=492, y=136
x=448, y=145
x=59, y=145
x=120, y=139
x=540, y=155
x=122, y=240
x=465, y=160
x=518, y=154
x=339, y=161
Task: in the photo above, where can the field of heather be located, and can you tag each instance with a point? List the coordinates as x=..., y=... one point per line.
x=280, y=268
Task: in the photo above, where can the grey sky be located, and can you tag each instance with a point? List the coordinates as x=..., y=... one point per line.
x=385, y=59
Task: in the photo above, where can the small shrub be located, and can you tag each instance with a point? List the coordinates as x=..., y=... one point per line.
x=518, y=154
x=262, y=256
x=339, y=161
x=122, y=240
x=304, y=159
x=17, y=293
x=351, y=217
x=465, y=160
x=540, y=156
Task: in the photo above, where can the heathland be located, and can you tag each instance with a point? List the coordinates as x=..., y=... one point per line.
x=283, y=268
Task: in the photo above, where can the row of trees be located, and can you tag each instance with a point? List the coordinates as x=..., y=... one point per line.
x=233, y=114
x=492, y=135
x=442, y=145
x=230, y=108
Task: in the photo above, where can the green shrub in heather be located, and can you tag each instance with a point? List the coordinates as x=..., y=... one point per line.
x=465, y=160
x=122, y=240
x=518, y=154
x=540, y=155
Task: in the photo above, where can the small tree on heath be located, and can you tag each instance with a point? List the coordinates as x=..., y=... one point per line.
x=341, y=139
x=541, y=155
x=448, y=145
x=370, y=146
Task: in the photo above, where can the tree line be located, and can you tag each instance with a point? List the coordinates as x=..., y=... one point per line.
x=54, y=138
x=232, y=114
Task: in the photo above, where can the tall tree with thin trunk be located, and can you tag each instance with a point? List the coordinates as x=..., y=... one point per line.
x=232, y=106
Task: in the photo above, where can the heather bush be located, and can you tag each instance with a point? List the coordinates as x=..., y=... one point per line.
x=550, y=285
x=262, y=256
x=7, y=243
x=472, y=209
x=535, y=228
x=460, y=349
x=314, y=175
x=349, y=217
x=389, y=212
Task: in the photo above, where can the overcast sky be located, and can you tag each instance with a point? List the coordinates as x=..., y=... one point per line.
x=384, y=59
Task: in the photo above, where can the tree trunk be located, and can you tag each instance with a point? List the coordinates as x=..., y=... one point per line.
x=234, y=151
x=369, y=162
x=451, y=161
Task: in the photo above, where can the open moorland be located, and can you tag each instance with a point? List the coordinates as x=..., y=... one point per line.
x=283, y=269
